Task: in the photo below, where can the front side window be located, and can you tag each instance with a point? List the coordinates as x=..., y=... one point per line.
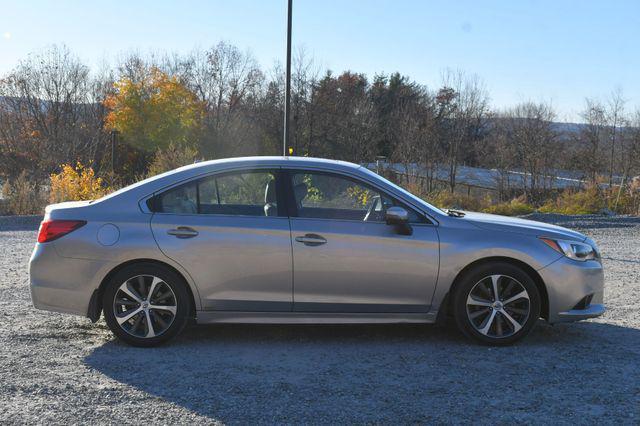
x=251, y=193
x=330, y=196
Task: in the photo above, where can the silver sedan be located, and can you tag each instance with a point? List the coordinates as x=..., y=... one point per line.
x=301, y=240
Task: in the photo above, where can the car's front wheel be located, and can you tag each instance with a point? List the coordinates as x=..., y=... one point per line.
x=496, y=303
x=146, y=304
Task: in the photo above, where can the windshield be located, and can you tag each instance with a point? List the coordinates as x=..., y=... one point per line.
x=408, y=194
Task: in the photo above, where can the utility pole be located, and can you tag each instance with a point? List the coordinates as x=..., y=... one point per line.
x=287, y=95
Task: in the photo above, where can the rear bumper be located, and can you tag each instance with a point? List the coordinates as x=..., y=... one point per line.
x=567, y=283
x=63, y=284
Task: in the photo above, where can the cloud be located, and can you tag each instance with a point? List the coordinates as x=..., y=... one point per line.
x=7, y=35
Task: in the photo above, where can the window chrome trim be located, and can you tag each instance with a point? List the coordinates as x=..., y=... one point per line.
x=367, y=181
x=142, y=203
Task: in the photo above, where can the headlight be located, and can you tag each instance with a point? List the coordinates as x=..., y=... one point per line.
x=573, y=250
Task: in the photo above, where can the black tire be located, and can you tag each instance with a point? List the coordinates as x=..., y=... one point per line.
x=180, y=297
x=511, y=277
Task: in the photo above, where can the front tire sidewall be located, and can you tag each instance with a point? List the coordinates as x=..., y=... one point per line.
x=172, y=279
x=465, y=286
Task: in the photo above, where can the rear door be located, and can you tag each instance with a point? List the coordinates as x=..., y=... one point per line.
x=231, y=233
x=347, y=259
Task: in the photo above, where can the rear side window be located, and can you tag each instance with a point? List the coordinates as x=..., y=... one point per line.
x=250, y=193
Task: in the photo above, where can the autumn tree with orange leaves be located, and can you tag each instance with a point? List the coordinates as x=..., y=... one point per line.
x=154, y=113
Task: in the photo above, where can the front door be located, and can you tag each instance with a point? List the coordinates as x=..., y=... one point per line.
x=232, y=236
x=347, y=259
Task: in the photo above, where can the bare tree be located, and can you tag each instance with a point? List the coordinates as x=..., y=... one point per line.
x=529, y=128
x=463, y=107
x=615, y=120
x=48, y=114
x=591, y=137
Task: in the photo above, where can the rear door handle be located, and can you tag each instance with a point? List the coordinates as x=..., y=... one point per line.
x=311, y=240
x=183, y=232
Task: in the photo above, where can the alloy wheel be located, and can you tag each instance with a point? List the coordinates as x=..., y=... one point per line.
x=145, y=306
x=498, y=306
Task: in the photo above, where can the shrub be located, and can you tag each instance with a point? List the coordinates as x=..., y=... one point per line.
x=625, y=200
x=448, y=200
x=22, y=197
x=515, y=207
x=170, y=158
x=76, y=183
x=571, y=202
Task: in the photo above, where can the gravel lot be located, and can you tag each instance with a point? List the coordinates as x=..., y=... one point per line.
x=62, y=369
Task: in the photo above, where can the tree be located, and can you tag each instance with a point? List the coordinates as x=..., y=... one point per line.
x=155, y=112
x=462, y=111
x=615, y=120
x=591, y=138
x=529, y=128
x=49, y=114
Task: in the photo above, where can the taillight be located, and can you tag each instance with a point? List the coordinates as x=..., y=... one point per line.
x=53, y=229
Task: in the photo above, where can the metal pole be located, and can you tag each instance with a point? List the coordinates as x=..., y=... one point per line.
x=287, y=95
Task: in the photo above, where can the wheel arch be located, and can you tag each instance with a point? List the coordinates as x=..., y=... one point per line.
x=537, y=279
x=95, y=305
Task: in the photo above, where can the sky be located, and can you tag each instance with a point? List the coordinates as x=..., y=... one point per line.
x=523, y=50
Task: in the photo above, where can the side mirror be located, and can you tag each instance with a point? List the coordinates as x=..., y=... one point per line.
x=396, y=216
x=400, y=218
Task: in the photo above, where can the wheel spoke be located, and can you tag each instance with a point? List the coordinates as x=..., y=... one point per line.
x=128, y=315
x=131, y=292
x=516, y=325
x=171, y=309
x=499, y=331
x=487, y=324
x=522, y=295
x=494, y=284
x=150, y=331
x=143, y=287
x=471, y=300
x=155, y=282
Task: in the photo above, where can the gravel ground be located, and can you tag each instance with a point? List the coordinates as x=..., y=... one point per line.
x=62, y=369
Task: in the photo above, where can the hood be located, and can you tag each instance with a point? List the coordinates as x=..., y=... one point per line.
x=498, y=223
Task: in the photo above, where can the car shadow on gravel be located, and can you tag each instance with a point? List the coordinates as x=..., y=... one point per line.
x=381, y=373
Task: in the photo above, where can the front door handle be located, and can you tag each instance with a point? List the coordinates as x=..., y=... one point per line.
x=311, y=240
x=183, y=232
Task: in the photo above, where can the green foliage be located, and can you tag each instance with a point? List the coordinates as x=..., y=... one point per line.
x=154, y=113
x=446, y=200
x=449, y=200
x=588, y=201
x=515, y=207
x=593, y=200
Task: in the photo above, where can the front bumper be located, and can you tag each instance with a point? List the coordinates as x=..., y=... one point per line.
x=63, y=284
x=568, y=282
x=590, y=311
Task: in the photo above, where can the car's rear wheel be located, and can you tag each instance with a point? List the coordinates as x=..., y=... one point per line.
x=496, y=303
x=146, y=304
